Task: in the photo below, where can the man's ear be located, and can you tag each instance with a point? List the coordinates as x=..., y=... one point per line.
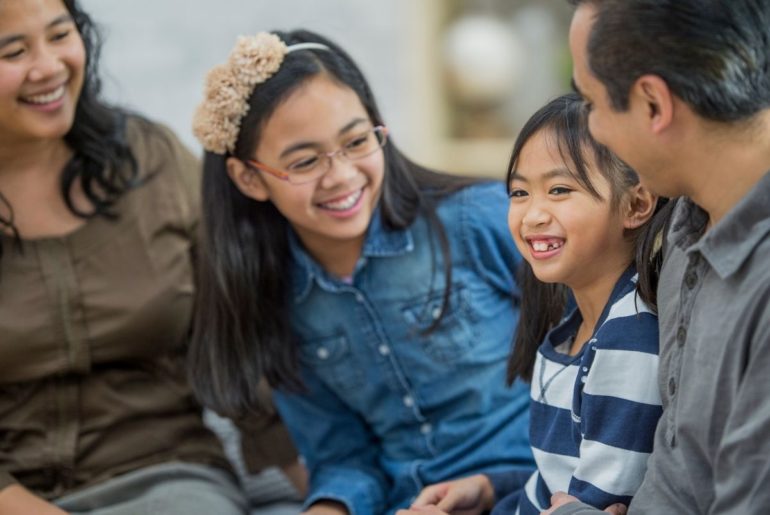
x=639, y=206
x=248, y=181
x=652, y=93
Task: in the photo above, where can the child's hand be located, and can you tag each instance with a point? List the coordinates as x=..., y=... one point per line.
x=560, y=499
x=468, y=496
x=422, y=510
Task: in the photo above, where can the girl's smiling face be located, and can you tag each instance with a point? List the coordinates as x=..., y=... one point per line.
x=566, y=233
x=42, y=63
x=320, y=116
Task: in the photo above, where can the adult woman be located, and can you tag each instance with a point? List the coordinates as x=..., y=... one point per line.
x=98, y=211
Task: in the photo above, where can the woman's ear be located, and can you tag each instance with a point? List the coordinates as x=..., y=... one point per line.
x=247, y=180
x=639, y=206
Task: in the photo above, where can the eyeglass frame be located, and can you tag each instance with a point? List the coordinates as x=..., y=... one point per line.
x=284, y=175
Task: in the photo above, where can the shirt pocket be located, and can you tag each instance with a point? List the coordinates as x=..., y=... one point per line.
x=331, y=359
x=453, y=337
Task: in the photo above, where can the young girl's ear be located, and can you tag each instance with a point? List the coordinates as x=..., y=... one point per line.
x=639, y=206
x=247, y=180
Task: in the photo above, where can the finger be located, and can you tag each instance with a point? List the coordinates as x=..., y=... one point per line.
x=617, y=509
x=430, y=495
x=450, y=501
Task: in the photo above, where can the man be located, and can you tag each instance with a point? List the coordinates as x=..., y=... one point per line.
x=680, y=89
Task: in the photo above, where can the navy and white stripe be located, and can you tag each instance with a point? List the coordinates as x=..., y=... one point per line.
x=593, y=415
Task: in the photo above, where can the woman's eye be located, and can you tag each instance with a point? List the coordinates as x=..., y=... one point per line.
x=60, y=35
x=304, y=164
x=13, y=54
x=517, y=193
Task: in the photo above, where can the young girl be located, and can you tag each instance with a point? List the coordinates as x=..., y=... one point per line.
x=582, y=221
x=376, y=296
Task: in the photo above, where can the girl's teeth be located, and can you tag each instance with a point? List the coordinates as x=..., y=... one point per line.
x=345, y=203
x=47, y=98
x=541, y=246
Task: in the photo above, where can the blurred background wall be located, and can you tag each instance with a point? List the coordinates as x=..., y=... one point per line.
x=455, y=79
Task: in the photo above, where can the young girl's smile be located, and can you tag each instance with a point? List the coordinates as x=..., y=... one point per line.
x=567, y=234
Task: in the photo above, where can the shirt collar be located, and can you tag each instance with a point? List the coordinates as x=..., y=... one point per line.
x=728, y=244
x=380, y=241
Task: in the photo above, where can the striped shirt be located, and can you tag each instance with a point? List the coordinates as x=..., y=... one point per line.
x=593, y=415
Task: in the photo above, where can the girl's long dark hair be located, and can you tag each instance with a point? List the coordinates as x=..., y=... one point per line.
x=242, y=327
x=543, y=304
x=102, y=161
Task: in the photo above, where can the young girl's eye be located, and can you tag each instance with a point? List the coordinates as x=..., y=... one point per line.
x=517, y=193
x=304, y=165
x=357, y=142
x=559, y=190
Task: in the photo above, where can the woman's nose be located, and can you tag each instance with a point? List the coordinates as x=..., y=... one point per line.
x=47, y=63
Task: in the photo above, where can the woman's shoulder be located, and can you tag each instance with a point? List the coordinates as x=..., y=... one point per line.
x=152, y=142
x=166, y=166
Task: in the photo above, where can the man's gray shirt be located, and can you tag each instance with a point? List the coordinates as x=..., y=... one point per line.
x=712, y=445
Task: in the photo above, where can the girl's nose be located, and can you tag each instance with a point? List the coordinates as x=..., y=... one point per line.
x=340, y=170
x=536, y=215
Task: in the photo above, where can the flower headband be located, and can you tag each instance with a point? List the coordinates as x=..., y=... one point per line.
x=228, y=86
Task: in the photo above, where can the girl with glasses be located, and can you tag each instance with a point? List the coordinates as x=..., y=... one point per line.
x=376, y=296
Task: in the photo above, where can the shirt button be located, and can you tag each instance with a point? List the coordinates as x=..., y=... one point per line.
x=426, y=428
x=671, y=386
x=436, y=313
x=322, y=352
x=359, y=297
x=691, y=279
x=408, y=401
x=681, y=335
x=384, y=349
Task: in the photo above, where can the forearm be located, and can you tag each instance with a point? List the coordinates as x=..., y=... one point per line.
x=15, y=499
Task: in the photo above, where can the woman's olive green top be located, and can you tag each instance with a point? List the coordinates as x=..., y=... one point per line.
x=92, y=333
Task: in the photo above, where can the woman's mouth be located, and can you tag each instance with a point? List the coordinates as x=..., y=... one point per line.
x=45, y=98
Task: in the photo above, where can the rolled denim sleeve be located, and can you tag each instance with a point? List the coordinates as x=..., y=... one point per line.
x=487, y=237
x=339, y=450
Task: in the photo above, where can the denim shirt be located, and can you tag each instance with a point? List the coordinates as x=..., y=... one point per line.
x=389, y=409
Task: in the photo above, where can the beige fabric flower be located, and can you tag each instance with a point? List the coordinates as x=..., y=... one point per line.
x=253, y=60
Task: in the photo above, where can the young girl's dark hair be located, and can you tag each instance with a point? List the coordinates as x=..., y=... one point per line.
x=543, y=304
x=242, y=321
x=102, y=161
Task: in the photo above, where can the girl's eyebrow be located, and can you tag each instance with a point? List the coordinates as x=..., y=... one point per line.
x=551, y=174
x=7, y=40
x=308, y=144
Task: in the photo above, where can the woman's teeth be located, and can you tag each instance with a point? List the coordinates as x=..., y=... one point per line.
x=46, y=98
x=344, y=203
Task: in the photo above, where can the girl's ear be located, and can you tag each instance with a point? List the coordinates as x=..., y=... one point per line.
x=247, y=180
x=639, y=206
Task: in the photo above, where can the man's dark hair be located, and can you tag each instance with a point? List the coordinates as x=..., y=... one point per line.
x=713, y=54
